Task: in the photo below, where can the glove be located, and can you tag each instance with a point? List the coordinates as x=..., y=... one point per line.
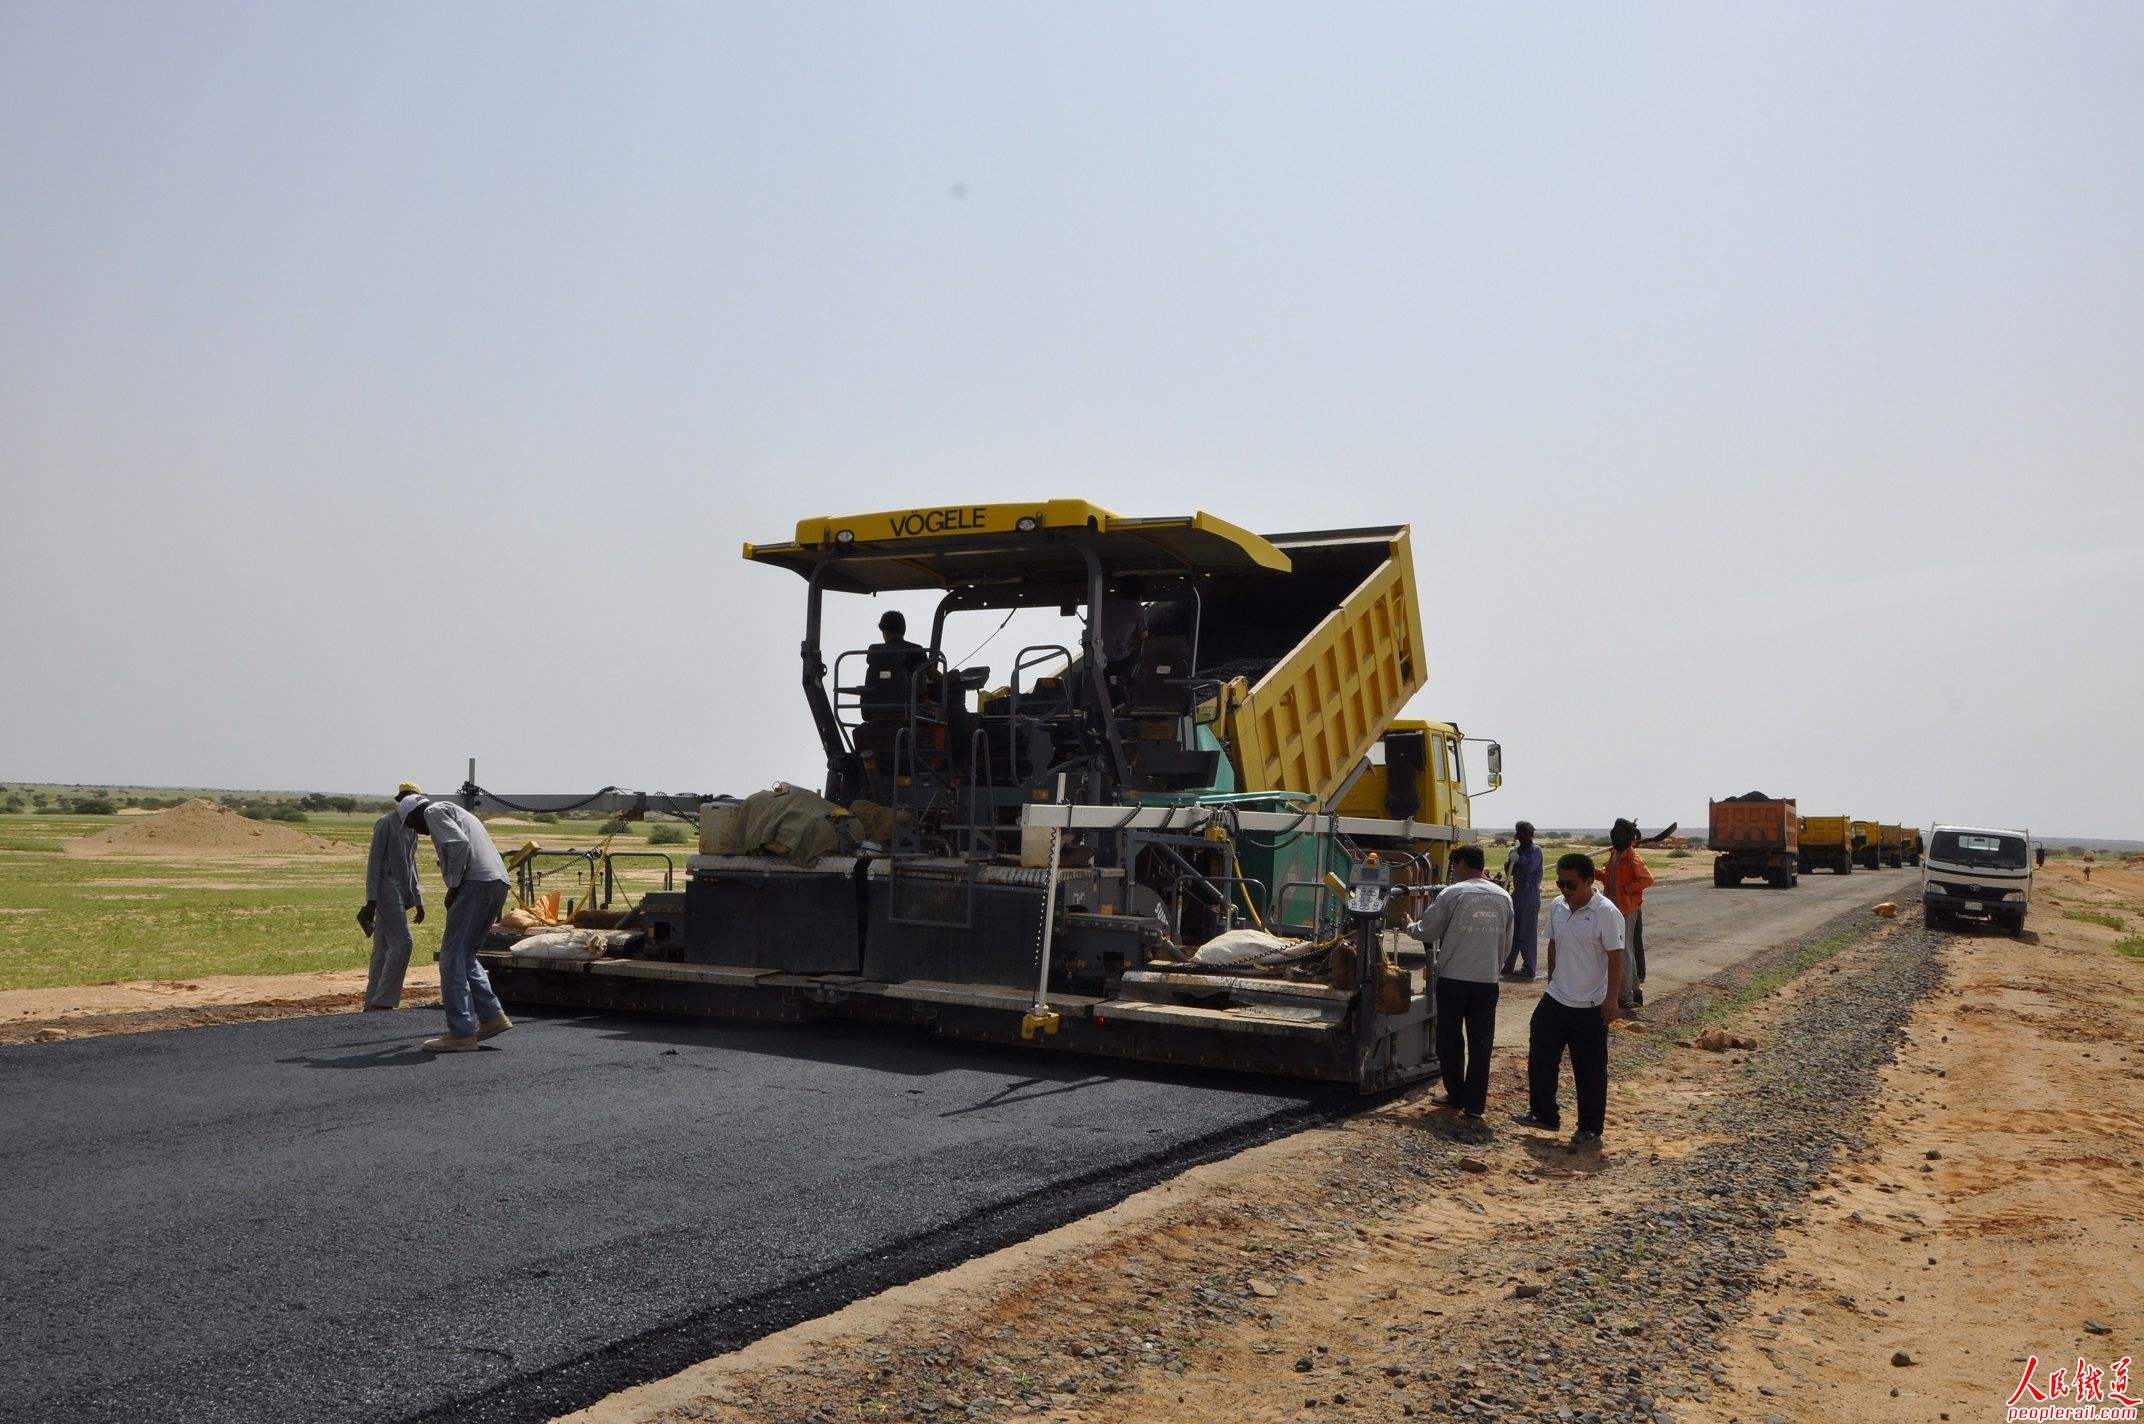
x=366, y=916
x=452, y=891
x=420, y=914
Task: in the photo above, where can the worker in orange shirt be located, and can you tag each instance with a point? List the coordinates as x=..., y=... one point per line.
x=1624, y=878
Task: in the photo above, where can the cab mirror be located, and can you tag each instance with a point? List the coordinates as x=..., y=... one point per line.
x=1496, y=764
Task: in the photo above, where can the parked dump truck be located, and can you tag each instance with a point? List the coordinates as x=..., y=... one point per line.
x=1756, y=836
x=1157, y=849
x=1910, y=845
x=1827, y=843
x=1868, y=853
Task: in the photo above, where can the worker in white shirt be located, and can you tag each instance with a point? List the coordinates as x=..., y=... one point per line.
x=476, y=891
x=1470, y=923
x=1585, y=974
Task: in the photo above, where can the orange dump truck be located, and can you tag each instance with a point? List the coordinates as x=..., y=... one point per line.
x=1756, y=835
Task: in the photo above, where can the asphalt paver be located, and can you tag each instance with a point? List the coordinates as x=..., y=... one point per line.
x=312, y=1219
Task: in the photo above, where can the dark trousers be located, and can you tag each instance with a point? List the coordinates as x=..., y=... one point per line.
x=1555, y=1028
x=1466, y=1032
x=1637, y=940
x=1525, y=928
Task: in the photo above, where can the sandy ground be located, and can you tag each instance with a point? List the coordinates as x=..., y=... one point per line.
x=79, y=1011
x=2007, y=1175
x=1996, y=1210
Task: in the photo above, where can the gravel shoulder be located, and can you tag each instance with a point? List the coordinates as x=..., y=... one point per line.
x=1997, y=1211
x=1396, y=1264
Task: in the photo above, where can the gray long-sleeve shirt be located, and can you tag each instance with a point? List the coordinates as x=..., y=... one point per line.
x=1470, y=923
x=464, y=846
x=391, y=863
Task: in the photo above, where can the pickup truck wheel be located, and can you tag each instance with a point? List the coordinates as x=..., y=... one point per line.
x=2017, y=926
x=1938, y=919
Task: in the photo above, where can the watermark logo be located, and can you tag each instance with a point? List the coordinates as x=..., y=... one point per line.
x=2081, y=1391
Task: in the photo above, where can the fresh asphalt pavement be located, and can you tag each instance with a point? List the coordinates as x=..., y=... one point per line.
x=311, y=1219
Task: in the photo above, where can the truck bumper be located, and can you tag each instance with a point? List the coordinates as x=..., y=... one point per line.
x=1966, y=905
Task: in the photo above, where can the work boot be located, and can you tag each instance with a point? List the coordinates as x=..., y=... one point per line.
x=1585, y=1142
x=1527, y=1119
x=451, y=1043
x=492, y=1027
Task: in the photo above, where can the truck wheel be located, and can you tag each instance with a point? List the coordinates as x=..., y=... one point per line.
x=2017, y=926
x=1719, y=875
x=1938, y=919
x=1845, y=865
x=1804, y=865
x=1794, y=878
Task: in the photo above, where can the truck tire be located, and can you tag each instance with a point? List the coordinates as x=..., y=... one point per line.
x=1719, y=875
x=1803, y=864
x=2016, y=925
x=1844, y=865
x=1938, y=919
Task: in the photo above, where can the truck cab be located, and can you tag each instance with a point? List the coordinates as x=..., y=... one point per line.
x=1978, y=872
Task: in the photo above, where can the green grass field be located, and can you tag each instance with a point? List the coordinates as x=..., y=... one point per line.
x=72, y=920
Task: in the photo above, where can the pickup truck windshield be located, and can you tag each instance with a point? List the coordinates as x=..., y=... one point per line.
x=1986, y=852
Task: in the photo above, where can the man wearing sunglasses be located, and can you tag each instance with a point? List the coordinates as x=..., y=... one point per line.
x=1585, y=973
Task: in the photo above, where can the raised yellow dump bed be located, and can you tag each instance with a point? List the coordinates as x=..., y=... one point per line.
x=1307, y=721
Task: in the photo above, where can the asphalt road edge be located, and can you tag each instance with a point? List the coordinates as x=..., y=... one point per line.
x=663, y=1351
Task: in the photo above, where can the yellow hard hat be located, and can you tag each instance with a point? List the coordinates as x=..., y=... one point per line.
x=409, y=788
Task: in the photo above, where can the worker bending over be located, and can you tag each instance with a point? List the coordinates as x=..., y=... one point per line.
x=476, y=892
x=391, y=889
x=1470, y=923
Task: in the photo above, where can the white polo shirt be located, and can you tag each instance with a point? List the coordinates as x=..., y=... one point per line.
x=1584, y=939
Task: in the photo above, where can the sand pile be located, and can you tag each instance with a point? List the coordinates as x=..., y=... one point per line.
x=204, y=828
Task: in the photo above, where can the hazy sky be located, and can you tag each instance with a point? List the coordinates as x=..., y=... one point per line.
x=385, y=385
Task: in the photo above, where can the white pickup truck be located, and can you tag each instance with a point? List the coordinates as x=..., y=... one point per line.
x=1977, y=871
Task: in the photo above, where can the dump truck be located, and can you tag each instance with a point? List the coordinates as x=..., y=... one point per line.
x=1868, y=853
x=1827, y=843
x=1756, y=836
x=1910, y=845
x=1174, y=847
x=1891, y=845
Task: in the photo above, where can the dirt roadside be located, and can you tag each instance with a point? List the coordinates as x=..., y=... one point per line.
x=1767, y=1230
x=151, y=1005
x=1998, y=1212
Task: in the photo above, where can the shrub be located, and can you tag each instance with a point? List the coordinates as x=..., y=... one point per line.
x=2132, y=946
x=286, y=812
x=545, y=818
x=615, y=826
x=92, y=806
x=2097, y=917
x=667, y=833
x=1678, y=854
